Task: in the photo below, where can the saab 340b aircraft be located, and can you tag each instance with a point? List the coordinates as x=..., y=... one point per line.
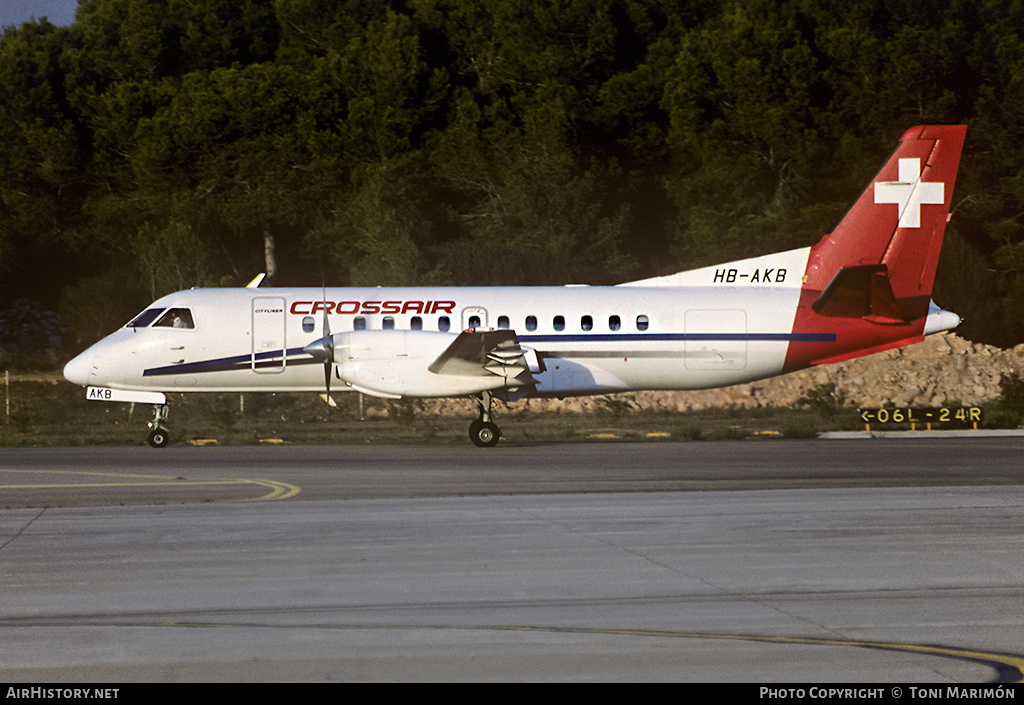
x=864, y=288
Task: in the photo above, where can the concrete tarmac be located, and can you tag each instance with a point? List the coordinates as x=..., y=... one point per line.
x=780, y=561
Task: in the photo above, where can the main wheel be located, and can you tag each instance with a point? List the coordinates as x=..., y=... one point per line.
x=158, y=437
x=484, y=434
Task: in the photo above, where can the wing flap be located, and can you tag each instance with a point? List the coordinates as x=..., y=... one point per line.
x=480, y=353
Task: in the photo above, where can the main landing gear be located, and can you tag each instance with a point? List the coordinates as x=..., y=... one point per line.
x=483, y=432
x=158, y=436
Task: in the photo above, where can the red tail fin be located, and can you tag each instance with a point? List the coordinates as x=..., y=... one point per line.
x=875, y=272
x=899, y=220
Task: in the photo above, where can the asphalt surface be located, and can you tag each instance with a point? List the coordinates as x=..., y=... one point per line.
x=874, y=561
x=63, y=477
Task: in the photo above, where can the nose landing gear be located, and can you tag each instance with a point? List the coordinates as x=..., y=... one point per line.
x=158, y=436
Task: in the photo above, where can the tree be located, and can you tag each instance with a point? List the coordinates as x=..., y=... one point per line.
x=42, y=182
x=743, y=108
x=224, y=159
x=511, y=141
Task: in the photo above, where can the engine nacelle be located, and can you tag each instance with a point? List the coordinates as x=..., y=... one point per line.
x=393, y=363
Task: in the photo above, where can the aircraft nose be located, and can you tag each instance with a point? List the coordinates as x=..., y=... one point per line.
x=78, y=370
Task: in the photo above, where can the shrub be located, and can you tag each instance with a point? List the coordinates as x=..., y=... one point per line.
x=825, y=399
x=1008, y=408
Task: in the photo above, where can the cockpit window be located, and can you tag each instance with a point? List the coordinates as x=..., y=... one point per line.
x=175, y=318
x=144, y=318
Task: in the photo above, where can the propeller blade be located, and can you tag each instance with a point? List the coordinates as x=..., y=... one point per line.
x=323, y=350
x=328, y=347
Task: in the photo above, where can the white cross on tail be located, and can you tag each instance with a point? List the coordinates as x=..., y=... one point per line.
x=910, y=192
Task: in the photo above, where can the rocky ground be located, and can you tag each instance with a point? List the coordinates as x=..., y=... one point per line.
x=942, y=370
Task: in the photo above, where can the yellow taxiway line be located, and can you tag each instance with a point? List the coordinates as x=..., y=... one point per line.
x=279, y=490
x=1006, y=664
x=1009, y=667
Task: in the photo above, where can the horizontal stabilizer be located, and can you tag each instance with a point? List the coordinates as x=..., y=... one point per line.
x=862, y=291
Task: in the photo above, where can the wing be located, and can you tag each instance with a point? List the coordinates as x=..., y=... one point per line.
x=480, y=353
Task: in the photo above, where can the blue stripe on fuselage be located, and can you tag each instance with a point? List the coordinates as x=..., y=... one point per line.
x=266, y=359
x=665, y=337
x=224, y=364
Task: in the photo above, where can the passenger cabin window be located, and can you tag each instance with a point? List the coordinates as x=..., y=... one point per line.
x=642, y=322
x=308, y=324
x=389, y=322
x=559, y=323
x=474, y=322
x=531, y=323
x=416, y=323
x=144, y=318
x=587, y=323
x=614, y=323
x=503, y=322
x=443, y=324
x=175, y=318
x=359, y=323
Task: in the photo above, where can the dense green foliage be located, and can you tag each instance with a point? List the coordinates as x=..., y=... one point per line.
x=160, y=144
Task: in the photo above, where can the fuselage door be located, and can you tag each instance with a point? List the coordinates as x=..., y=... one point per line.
x=716, y=340
x=268, y=335
x=474, y=317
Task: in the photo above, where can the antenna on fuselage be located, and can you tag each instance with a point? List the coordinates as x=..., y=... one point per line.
x=256, y=281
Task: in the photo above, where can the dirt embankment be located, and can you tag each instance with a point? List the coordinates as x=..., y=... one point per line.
x=942, y=370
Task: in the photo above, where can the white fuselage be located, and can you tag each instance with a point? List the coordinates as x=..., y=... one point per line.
x=709, y=328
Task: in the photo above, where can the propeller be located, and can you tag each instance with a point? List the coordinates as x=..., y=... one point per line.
x=323, y=350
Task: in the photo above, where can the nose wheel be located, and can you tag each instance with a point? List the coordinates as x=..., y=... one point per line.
x=483, y=432
x=158, y=436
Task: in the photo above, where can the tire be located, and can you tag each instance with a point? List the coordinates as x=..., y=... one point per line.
x=483, y=434
x=159, y=438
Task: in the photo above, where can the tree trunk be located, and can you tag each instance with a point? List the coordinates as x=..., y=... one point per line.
x=269, y=255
